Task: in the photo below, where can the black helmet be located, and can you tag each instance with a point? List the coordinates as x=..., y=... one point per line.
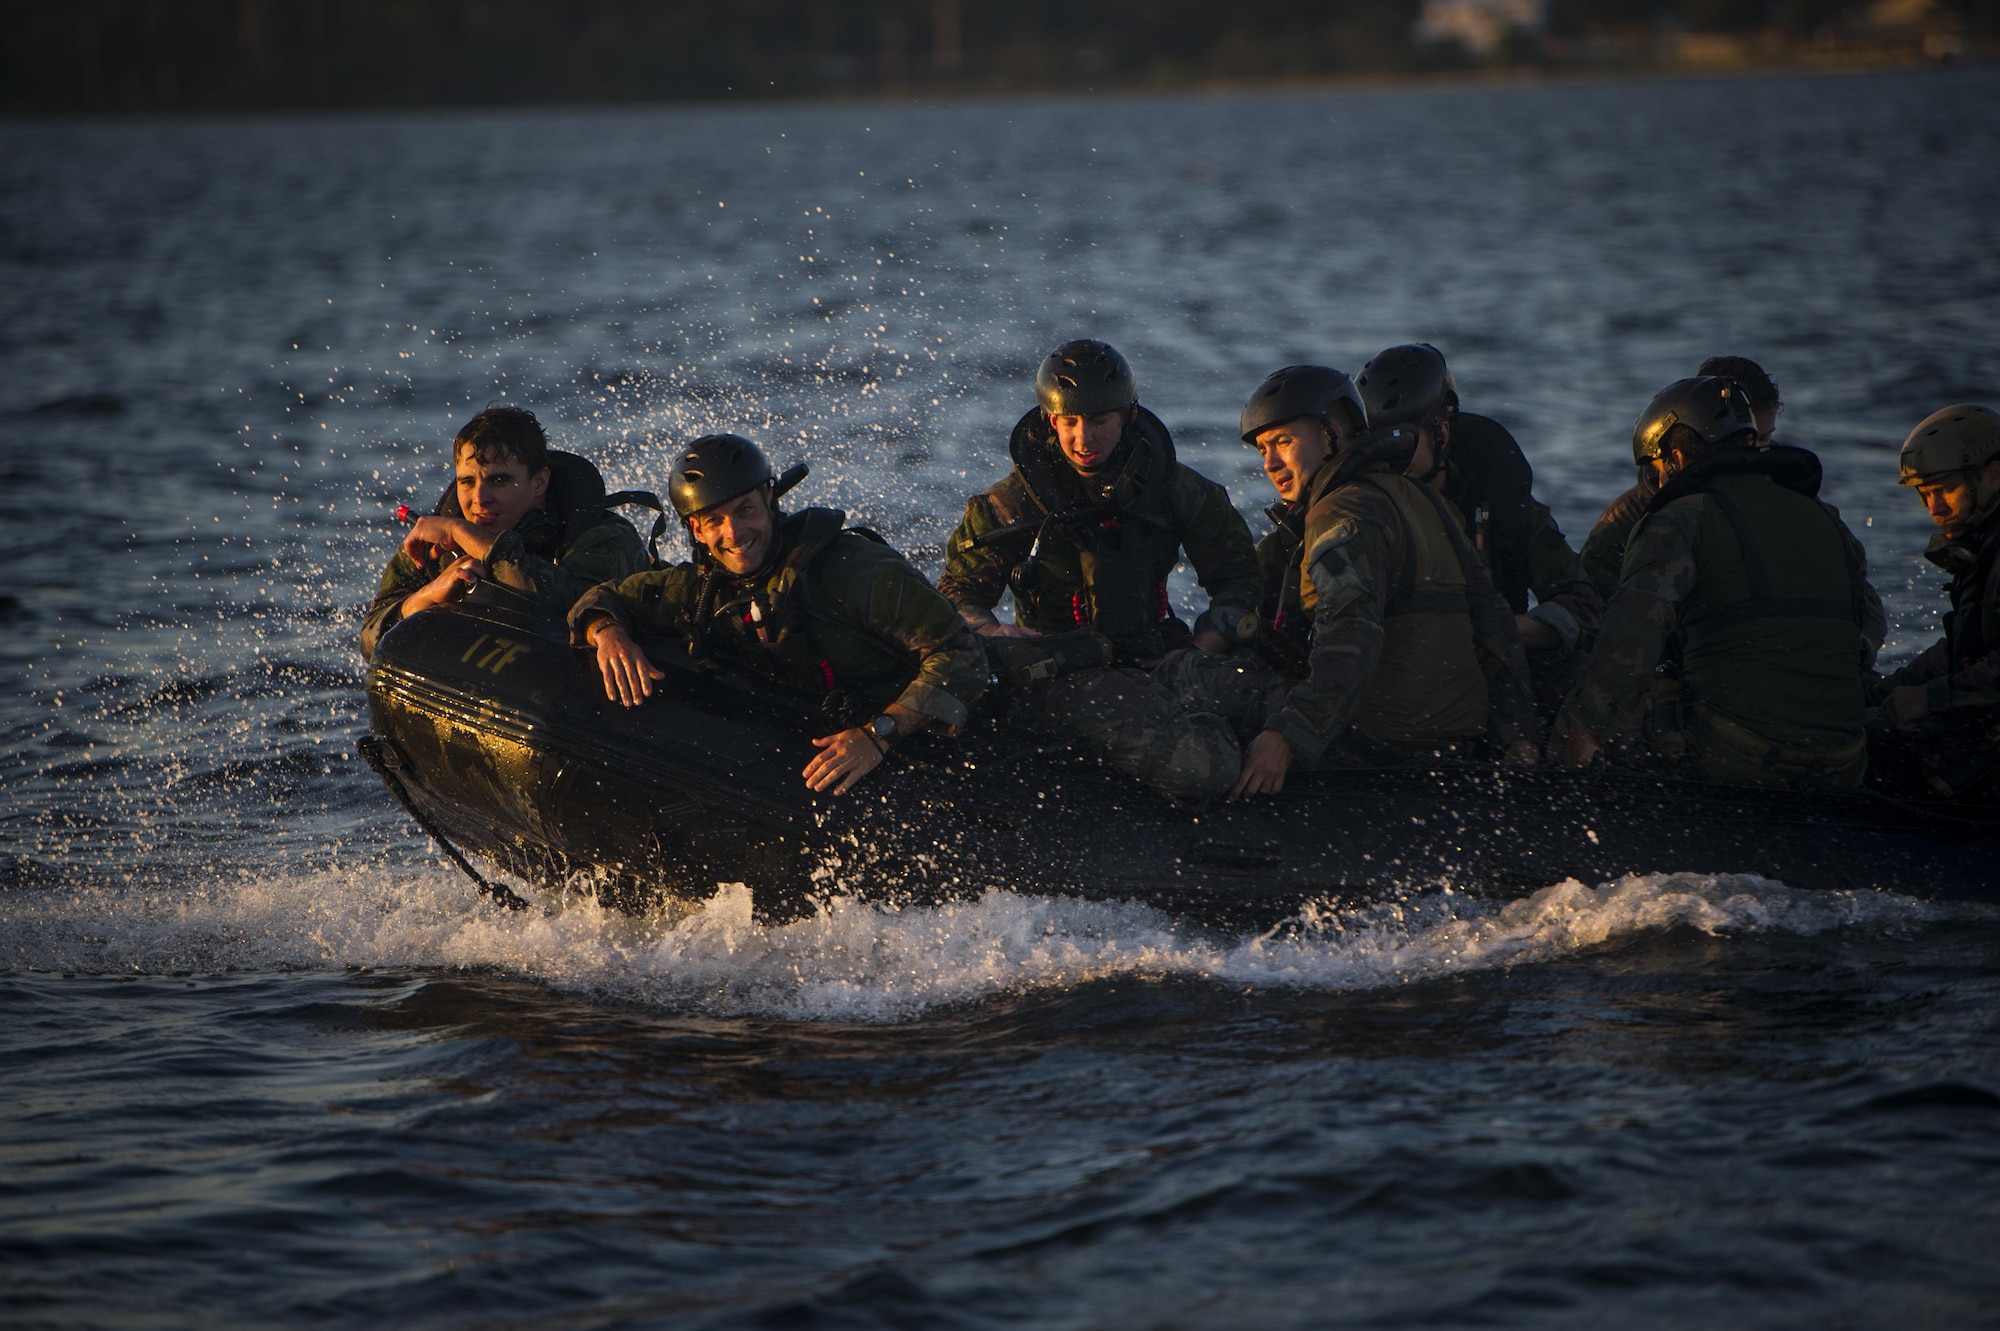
x=1299, y=390
x=1083, y=378
x=1954, y=439
x=715, y=468
x=1714, y=408
x=1408, y=385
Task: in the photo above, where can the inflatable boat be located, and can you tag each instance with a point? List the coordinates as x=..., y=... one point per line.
x=498, y=738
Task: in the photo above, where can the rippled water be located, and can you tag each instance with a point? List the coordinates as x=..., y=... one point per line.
x=267, y=1061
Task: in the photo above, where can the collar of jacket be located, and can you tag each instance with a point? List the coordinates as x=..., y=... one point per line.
x=1961, y=554
x=1794, y=468
x=1134, y=479
x=575, y=501
x=1369, y=455
x=797, y=540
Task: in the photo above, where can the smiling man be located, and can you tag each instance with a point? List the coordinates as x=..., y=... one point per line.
x=518, y=512
x=1084, y=532
x=1940, y=723
x=831, y=617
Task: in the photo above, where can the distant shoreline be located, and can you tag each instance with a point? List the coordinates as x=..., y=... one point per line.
x=1443, y=80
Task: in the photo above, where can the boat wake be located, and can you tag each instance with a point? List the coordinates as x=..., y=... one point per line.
x=860, y=961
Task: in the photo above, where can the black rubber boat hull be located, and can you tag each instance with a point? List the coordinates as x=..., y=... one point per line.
x=500, y=736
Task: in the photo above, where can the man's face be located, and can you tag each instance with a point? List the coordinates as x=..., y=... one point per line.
x=1292, y=452
x=496, y=491
x=1955, y=498
x=737, y=531
x=1087, y=441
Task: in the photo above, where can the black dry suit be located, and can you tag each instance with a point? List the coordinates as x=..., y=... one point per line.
x=1094, y=552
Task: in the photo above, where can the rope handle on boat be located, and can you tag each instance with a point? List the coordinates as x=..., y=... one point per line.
x=373, y=753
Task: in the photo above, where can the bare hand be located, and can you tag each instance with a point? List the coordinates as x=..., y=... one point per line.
x=448, y=586
x=444, y=535
x=1906, y=706
x=998, y=630
x=628, y=674
x=1265, y=762
x=1521, y=753
x=842, y=760
x=1580, y=747
x=1538, y=635
x=1208, y=640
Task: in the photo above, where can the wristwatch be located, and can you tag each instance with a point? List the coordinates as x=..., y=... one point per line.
x=883, y=728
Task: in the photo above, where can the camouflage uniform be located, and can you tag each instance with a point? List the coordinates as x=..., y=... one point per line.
x=1100, y=568
x=1957, y=747
x=1603, y=554
x=539, y=556
x=1764, y=591
x=837, y=620
x=1352, y=562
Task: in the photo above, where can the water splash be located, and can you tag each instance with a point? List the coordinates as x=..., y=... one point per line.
x=860, y=961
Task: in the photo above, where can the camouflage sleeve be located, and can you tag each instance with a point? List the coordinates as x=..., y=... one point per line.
x=1658, y=574
x=656, y=604
x=1934, y=662
x=403, y=576
x=606, y=552
x=900, y=607
x=1350, y=564
x=975, y=577
x=1565, y=600
x=1603, y=553
x=1217, y=542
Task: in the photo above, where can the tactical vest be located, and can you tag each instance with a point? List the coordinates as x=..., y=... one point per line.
x=1770, y=631
x=1101, y=571
x=1428, y=684
x=793, y=624
x=1972, y=625
x=1490, y=475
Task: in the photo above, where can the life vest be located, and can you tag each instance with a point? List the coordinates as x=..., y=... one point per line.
x=1428, y=684
x=794, y=625
x=1107, y=573
x=1770, y=631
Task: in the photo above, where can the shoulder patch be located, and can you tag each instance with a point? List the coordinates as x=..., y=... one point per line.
x=1339, y=534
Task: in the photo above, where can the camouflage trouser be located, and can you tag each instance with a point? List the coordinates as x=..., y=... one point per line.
x=1126, y=719
x=1245, y=690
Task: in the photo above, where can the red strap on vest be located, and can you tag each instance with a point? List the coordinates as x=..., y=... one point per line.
x=826, y=673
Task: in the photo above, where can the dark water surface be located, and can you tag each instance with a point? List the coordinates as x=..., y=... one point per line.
x=265, y=1061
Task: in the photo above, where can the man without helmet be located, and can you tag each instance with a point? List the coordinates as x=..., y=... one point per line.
x=518, y=512
x=1762, y=589
x=1084, y=532
x=1939, y=729
x=1384, y=640
x=830, y=616
x=1603, y=553
x=1474, y=462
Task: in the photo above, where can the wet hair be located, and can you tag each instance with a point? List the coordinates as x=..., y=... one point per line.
x=1748, y=375
x=512, y=433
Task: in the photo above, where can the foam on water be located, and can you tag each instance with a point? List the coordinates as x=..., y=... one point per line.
x=870, y=962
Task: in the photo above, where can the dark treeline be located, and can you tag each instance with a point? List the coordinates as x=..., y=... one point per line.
x=137, y=55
